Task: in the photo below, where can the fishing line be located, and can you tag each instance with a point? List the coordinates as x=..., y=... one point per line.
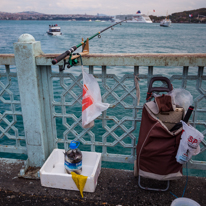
x=72, y=49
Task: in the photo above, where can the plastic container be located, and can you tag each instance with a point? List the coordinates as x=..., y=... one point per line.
x=183, y=201
x=73, y=158
x=53, y=174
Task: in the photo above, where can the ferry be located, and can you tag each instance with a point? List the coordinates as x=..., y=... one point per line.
x=166, y=22
x=54, y=30
x=134, y=18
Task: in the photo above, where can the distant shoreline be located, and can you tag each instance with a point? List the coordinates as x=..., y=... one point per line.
x=56, y=20
x=192, y=16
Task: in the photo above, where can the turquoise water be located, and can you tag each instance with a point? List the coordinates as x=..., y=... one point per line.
x=127, y=38
x=134, y=38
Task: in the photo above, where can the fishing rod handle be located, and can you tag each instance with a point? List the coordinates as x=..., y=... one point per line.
x=186, y=119
x=63, y=55
x=188, y=114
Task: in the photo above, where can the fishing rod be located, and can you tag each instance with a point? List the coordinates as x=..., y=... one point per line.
x=83, y=43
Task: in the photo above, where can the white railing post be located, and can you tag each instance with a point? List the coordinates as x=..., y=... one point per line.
x=25, y=50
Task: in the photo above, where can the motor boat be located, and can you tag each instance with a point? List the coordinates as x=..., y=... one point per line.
x=54, y=30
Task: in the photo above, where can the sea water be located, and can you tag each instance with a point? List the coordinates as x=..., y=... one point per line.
x=125, y=38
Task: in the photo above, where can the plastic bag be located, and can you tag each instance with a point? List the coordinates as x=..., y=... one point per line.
x=182, y=97
x=189, y=143
x=92, y=105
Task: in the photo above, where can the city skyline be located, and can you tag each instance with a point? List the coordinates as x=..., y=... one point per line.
x=92, y=7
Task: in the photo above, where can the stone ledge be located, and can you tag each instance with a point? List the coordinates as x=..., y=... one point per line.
x=115, y=187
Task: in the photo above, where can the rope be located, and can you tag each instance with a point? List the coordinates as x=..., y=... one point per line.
x=173, y=194
x=185, y=183
x=80, y=58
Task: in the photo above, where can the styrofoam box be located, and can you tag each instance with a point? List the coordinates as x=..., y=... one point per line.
x=53, y=173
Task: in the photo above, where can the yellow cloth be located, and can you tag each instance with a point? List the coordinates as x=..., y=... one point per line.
x=80, y=181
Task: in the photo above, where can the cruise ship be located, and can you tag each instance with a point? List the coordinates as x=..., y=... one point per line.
x=134, y=18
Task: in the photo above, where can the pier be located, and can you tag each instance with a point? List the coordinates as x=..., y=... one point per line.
x=115, y=187
x=40, y=110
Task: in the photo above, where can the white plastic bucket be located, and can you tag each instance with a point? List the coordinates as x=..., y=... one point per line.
x=183, y=201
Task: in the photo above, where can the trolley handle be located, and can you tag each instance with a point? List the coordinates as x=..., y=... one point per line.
x=158, y=89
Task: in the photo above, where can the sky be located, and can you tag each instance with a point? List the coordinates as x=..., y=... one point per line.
x=108, y=7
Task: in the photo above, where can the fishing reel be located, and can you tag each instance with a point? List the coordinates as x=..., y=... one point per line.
x=71, y=62
x=73, y=58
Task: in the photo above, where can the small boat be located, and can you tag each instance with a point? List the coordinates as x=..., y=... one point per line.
x=165, y=22
x=54, y=30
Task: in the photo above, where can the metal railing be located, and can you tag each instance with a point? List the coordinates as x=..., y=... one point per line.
x=51, y=101
x=10, y=106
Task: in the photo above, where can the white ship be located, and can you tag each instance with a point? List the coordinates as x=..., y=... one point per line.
x=54, y=30
x=165, y=22
x=134, y=18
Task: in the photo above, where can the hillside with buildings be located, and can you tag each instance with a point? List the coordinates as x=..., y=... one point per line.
x=31, y=15
x=192, y=16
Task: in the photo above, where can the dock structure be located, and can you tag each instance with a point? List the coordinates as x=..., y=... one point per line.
x=47, y=96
